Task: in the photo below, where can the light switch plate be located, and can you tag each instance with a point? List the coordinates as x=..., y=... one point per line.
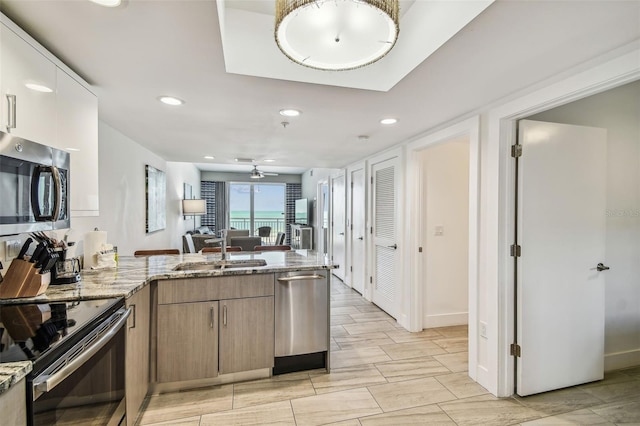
x=11, y=249
x=439, y=231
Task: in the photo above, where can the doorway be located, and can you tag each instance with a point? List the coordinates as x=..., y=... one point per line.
x=338, y=224
x=616, y=110
x=444, y=225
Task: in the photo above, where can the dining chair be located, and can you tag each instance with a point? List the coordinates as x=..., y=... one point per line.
x=280, y=238
x=219, y=249
x=272, y=248
x=155, y=252
x=264, y=232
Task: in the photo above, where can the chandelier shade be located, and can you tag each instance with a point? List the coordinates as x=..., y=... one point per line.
x=336, y=35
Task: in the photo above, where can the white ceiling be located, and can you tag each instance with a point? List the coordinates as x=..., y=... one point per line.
x=142, y=49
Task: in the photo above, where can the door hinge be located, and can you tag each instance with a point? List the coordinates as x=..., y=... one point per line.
x=351, y=184
x=419, y=249
x=371, y=232
x=350, y=268
x=370, y=280
x=515, y=350
x=371, y=180
x=516, y=151
x=516, y=250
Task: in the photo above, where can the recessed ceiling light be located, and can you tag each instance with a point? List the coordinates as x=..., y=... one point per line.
x=290, y=112
x=388, y=121
x=244, y=160
x=170, y=100
x=107, y=3
x=363, y=137
x=269, y=160
x=209, y=157
x=38, y=87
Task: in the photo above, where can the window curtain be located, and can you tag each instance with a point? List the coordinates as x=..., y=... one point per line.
x=216, y=195
x=293, y=193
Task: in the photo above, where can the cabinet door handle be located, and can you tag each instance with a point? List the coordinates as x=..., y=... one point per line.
x=11, y=110
x=211, y=318
x=132, y=307
x=224, y=315
x=302, y=277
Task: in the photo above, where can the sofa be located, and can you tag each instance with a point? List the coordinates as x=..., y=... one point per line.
x=199, y=235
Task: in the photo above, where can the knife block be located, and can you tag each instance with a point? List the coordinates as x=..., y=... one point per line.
x=23, y=280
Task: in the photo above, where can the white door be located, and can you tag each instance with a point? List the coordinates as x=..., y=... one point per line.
x=386, y=259
x=561, y=210
x=358, y=230
x=338, y=216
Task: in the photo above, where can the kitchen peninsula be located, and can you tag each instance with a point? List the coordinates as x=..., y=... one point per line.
x=196, y=320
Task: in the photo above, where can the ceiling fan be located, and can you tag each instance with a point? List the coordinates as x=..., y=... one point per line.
x=258, y=174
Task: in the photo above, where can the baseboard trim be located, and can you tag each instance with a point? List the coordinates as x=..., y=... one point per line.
x=618, y=360
x=445, y=320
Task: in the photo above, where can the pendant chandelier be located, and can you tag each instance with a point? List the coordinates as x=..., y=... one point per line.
x=336, y=35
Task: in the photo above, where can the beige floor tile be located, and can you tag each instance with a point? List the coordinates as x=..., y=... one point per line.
x=370, y=307
x=488, y=410
x=404, y=336
x=352, y=422
x=180, y=405
x=344, y=310
x=410, y=393
x=334, y=407
x=337, y=331
x=560, y=401
x=453, y=344
x=333, y=345
x=457, y=362
x=461, y=385
x=346, y=303
x=347, y=378
x=279, y=388
x=412, y=350
x=409, y=369
x=341, y=319
x=579, y=417
x=425, y=415
x=361, y=356
x=191, y=421
x=368, y=327
x=614, y=390
x=633, y=372
x=626, y=413
x=278, y=413
x=366, y=340
x=454, y=331
x=370, y=316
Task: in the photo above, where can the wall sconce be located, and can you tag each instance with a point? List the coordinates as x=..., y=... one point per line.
x=194, y=208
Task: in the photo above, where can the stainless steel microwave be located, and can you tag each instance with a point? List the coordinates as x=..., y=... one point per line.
x=34, y=186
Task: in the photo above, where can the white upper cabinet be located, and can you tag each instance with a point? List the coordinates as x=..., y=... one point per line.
x=26, y=112
x=42, y=100
x=77, y=133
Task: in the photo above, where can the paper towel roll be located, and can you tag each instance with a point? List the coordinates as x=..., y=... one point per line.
x=93, y=242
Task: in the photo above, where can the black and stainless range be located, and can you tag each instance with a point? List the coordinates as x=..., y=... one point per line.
x=77, y=350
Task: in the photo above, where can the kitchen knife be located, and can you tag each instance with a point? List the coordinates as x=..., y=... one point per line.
x=24, y=249
x=49, y=264
x=38, y=253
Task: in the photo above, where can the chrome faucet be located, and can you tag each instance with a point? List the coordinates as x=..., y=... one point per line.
x=223, y=244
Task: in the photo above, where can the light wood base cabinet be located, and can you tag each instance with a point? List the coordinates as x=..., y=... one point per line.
x=246, y=334
x=13, y=405
x=213, y=326
x=137, y=352
x=187, y=341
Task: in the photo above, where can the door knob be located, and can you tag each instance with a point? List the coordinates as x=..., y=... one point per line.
x=395, y=246
x=601, y=267
x=341, y=233
x=361, y=238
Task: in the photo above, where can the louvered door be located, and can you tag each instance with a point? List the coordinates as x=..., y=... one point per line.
x=385, y=235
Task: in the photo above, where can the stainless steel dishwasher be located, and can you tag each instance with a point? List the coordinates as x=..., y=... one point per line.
x=301, y=320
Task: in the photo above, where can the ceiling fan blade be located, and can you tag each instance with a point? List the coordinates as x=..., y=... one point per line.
x=269, y=174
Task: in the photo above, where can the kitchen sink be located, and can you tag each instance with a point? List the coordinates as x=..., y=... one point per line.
x=220, y=264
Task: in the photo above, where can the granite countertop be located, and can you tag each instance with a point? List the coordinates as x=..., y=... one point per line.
x=133, y=273
x=12, y=372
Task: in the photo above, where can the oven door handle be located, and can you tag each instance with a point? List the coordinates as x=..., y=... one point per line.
x=46, y=383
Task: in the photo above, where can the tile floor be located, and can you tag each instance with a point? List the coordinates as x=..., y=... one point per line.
x=384, y=375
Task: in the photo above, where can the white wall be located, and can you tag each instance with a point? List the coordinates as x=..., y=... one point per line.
x=446, y=205
x=617, y=110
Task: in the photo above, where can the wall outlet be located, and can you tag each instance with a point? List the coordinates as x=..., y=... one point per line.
x=11, y=249
x=483, y=329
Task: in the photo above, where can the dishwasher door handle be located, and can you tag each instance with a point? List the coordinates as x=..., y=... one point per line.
x=302, y=277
